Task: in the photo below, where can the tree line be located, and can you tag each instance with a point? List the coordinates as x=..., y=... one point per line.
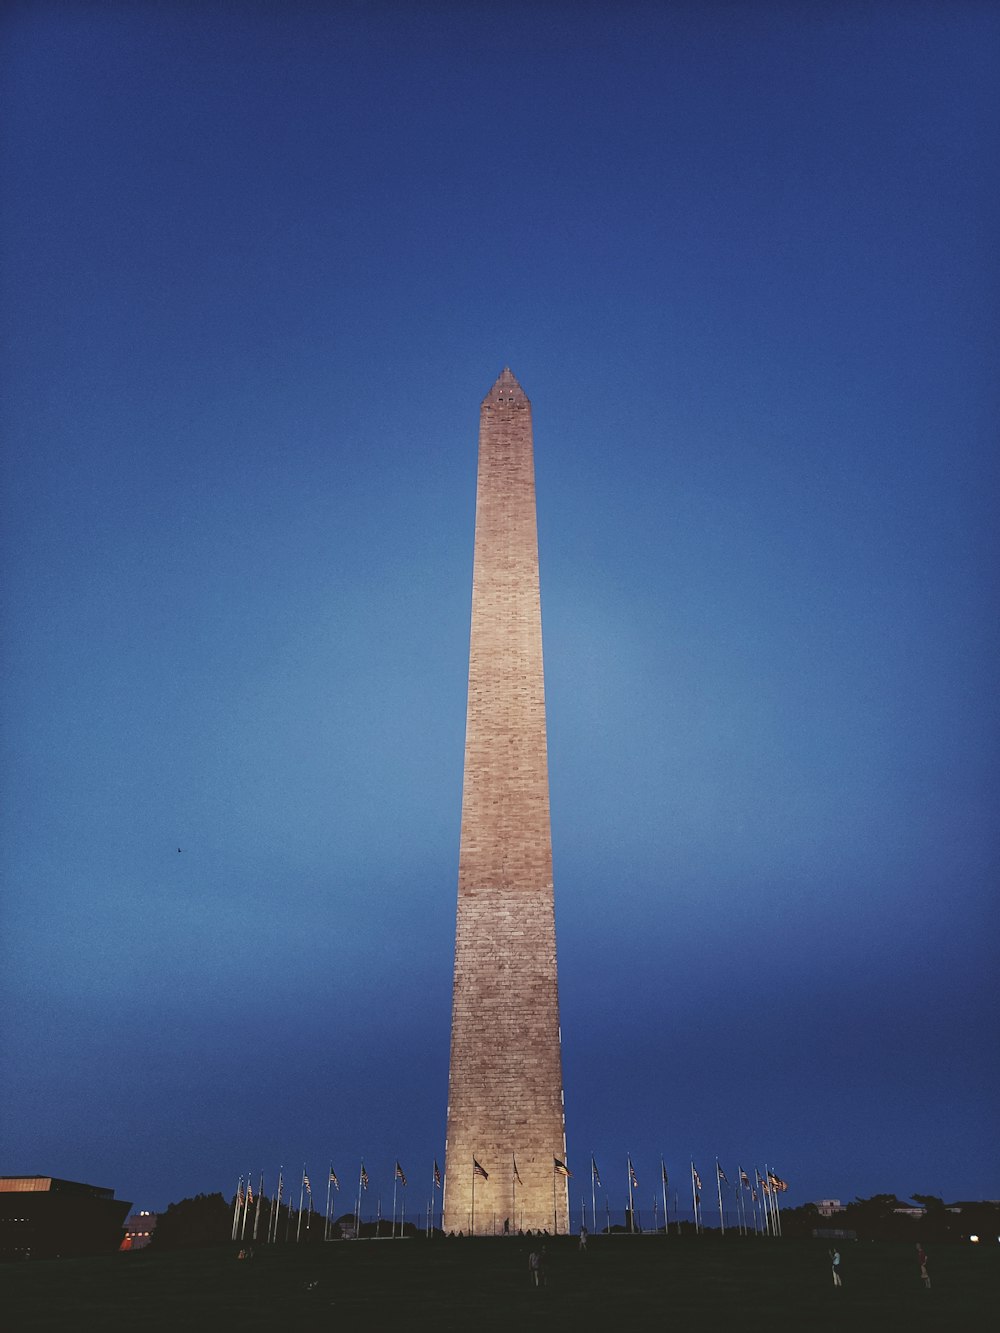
x=207, y=1219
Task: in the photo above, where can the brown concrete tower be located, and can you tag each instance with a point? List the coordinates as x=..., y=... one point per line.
x=505, y=1101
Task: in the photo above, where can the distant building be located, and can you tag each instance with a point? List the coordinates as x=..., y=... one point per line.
x=139, y=1231
x=827, y=1207
x=42, y=1217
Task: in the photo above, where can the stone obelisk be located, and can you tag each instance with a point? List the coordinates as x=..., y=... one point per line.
x=506, y=1136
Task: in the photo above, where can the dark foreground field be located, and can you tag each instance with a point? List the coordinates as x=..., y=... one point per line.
x=704, y=1283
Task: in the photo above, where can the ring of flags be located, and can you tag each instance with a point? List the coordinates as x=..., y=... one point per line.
x=769, y=1185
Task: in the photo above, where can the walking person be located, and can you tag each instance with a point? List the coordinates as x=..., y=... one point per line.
x=534, y=1268
x=922, y=1261
x=835, y=1266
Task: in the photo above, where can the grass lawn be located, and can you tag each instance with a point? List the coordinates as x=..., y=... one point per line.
x=705, y=1283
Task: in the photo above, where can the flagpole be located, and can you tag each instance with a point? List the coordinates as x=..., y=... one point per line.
x=694, y=1200
x=513, y=1185
x=246, y=1209
x=272, y=1223
x=236, y=1206
x=302, y=1191
x=593, y=1192
x=777, y=1209
x=472, y=1220
x=663, y=1182
x=718, y=1186
x=357, y=1214
x=393, y=1232
x=631, y=1204
x=256, y=1213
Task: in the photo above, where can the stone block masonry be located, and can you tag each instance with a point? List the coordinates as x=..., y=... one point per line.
x=505, y=1099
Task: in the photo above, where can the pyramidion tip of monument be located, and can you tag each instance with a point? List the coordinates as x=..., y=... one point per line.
x=506, y=390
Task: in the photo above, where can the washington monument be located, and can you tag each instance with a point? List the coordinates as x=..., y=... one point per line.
x=505, y=1152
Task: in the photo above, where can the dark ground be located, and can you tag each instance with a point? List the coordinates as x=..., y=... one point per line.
x=681, y=1283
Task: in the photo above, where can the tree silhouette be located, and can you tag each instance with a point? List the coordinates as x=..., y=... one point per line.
x=204, y=1220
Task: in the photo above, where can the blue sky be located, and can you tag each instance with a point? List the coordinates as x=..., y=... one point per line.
x=260, y=264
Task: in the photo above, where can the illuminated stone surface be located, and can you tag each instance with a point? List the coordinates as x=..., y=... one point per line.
x=505, y=1101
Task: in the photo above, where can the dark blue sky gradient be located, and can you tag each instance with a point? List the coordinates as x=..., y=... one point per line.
x=259, y=266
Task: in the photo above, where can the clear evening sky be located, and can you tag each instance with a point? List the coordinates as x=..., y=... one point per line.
x=260, y=264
